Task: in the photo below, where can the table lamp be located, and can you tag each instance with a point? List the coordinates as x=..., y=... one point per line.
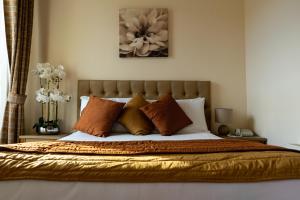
x=223, y=116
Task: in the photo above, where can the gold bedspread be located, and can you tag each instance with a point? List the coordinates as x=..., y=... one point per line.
x=203, y=161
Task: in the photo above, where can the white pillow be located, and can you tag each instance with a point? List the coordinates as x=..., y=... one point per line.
x=194, y=109
x=117, y=127
x=85, y=99
x=83, y=102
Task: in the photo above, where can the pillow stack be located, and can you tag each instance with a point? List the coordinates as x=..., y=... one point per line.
x=140, y=117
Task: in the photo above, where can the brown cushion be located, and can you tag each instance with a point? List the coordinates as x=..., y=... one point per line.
x=98, y=116
x=134, y=119
x=166, y=115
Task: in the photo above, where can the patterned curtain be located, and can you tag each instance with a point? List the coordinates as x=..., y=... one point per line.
x=18, y=15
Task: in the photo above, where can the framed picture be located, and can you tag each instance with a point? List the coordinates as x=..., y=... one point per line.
x=143, y=32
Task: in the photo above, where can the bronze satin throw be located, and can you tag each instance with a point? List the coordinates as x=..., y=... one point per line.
x=141, y=147
x=149, y=161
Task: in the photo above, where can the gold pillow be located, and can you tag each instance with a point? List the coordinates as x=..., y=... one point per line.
x=135, y=120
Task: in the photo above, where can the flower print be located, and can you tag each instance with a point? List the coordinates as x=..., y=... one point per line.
x=143, y=32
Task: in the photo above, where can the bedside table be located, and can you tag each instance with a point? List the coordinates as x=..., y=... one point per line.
x=253, y=138
x=35, y=137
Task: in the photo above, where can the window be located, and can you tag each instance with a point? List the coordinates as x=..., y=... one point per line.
x=4, y=65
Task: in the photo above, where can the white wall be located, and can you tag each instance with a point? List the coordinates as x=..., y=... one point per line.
x=273, y=68
x=206, y=43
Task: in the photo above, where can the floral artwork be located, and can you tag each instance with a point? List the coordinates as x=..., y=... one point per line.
x=143, y=32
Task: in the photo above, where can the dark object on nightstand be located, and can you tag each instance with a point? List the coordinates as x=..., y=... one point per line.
x=223, y=130
x=253, y=138
x=43, y=127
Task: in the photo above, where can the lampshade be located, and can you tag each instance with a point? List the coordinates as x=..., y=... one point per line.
x=223, y=115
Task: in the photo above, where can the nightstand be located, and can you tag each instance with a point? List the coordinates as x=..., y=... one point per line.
x=254, y=138
x=35, y=137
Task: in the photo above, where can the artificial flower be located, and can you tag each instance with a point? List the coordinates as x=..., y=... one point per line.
x=58, y=72
x=49, y=94
x=43, y=70
x=57, y=95
x=42, y=96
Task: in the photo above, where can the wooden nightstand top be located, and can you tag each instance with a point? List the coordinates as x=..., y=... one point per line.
x=36, y=137
x=253, y=138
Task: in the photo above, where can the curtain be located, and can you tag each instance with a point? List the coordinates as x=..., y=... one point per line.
x=18, y=15
x=4, y=66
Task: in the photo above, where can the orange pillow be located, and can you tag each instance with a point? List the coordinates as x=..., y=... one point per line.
x=98, y=116
x=166, y=115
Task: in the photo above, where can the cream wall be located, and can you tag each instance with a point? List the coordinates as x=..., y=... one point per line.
x=273, y=68
x=206, y=43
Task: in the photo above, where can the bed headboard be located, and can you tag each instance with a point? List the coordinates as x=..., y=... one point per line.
x=150, y=89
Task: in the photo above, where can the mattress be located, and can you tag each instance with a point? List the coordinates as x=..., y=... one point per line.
x=49, y=190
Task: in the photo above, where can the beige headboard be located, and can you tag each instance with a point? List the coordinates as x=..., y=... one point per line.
x=150, y=89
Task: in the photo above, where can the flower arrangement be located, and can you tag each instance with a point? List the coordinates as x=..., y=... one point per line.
x=49, y=95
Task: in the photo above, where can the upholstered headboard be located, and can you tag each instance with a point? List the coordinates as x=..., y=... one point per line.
x=150, y=89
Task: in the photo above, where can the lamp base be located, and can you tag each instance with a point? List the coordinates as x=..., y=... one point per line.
x=223, y=130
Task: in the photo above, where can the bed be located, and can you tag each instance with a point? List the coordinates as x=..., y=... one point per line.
x=177, y=171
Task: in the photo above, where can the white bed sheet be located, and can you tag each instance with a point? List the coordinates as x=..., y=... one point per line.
x=81, y=136
x=49, y=190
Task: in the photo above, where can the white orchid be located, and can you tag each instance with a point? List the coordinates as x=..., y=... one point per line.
x=48, y=71
x=53, y=75
x=42, y=96
x=57, y=95
x=143, y=32
x=67, y=98
x=43, y=70
x=49, y=94
x=58, y=72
